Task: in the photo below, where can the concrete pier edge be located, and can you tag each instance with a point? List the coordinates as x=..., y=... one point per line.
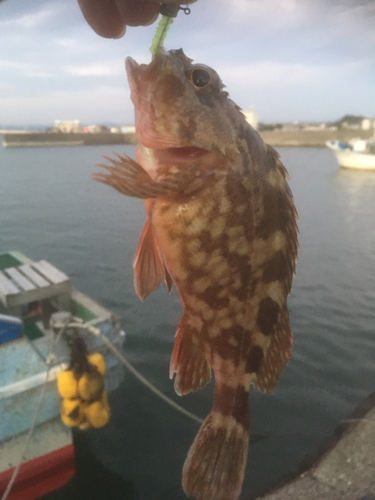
x=343, y=469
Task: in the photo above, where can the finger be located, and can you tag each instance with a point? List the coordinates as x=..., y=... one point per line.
x=138, y=12
x=104, y=17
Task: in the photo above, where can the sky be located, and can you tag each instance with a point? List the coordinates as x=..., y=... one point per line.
x=292, y=60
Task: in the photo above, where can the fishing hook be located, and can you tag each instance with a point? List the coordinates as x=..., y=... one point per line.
x=171, y=9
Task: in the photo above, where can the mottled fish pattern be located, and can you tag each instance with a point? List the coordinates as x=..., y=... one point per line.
x=221, y=226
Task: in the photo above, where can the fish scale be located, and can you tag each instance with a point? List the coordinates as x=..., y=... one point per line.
x=221, y=226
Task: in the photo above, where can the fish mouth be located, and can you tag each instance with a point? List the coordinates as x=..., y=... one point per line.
x=180, y=153
x=177, y=157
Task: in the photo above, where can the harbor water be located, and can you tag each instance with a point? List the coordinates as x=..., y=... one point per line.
x=50, y=209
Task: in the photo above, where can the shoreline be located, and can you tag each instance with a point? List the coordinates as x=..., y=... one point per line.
x=25, y=139
x=275, y=138
x=310, y=138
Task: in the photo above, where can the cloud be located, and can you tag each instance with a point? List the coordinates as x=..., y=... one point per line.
x=99, y=104
x=103, y=69
x=42, y=16
x=276, y=54
x=34, y=20
x=271, y=74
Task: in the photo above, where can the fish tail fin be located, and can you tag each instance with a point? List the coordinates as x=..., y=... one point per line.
x=215, y=466
x=189, y=360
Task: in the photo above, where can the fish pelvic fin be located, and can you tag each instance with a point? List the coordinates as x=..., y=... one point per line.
x=129, y=178
x=215, y=465
x=148, y=265
x=189, y=360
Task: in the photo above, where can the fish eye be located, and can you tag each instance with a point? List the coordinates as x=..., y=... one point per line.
x=200, y=77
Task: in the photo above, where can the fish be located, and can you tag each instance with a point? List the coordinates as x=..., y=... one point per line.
x=221, y=226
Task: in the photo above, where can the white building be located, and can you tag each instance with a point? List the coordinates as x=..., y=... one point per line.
x=68, y=126
x=367, y=124
x=251, y=117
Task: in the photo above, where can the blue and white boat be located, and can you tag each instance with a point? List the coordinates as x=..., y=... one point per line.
x=357, y=153
x=38, y=303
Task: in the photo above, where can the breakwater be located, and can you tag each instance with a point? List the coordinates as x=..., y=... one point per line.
x=276, y=138
x=48, y=139
x=310, y=138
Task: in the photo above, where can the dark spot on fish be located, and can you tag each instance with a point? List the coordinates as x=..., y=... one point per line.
x=171, y=88
x=242, y=133
x=205, y=98
x=225, y=349
x=253, y=361
x=173, y=234
x=210, y=296
x=187, y=131
x=209, y=243
x=275, y=268
x=267, y=315
x=237, y=193
x=270, y=222
x=233, y=401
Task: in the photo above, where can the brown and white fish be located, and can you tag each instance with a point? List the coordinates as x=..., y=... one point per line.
x=221, y=226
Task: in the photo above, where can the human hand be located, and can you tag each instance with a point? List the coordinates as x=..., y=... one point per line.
x=109, y=18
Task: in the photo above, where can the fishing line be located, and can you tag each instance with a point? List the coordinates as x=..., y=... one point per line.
x=48, y=361
x=169, y=11
x=29, y=435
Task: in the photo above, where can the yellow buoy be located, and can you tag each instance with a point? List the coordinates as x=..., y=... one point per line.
x=90, y=386
x=98, y=360
x=98, y=413
x=67, y=384
x=72, y=412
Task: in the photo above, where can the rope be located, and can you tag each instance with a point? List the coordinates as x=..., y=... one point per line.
x=48, y=361
x=135, y=373
x=121, y=358
x=31, y=430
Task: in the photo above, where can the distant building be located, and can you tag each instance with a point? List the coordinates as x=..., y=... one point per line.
x=96, y=129
x=128, y=129
x=367, y=123
x=67, y=126
x=251, y=117
x=92, y=129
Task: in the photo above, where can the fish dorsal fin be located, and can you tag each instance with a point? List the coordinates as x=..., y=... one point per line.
x=148, y=265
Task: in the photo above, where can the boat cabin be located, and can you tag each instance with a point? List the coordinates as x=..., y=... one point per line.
x=31, y=292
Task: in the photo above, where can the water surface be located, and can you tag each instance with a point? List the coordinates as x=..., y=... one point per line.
x=50, y=209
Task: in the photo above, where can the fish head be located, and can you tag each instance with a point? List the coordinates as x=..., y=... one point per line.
x=181, y=107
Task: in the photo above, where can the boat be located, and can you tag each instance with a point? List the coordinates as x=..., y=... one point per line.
x=358, y=154
x=38, y=305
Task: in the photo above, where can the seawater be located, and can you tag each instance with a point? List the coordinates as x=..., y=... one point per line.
x=50, y=209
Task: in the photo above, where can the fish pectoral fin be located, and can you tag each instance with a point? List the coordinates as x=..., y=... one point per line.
x=189, y=360
x=148, y=265
x=129, y=178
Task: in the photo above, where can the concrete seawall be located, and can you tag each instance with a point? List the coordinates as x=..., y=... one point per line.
x=49, y=139
x=310, y=138
x=276, y=138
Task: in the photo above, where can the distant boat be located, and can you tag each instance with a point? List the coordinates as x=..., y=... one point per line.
x=38, y=303
x=358, y=154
